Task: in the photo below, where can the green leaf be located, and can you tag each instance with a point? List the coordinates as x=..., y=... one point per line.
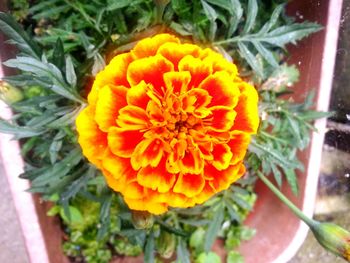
x=52, y=11
x=47, y=70
x=70, y=73
x=19, y=131
x=273, y=20
x=18, y=36
x=72, y=216
x=252, y=11
x=314, y=115
x=60, y=169
x=234, y=257
x=197, y=239
x=292, y=180
x=105, y=214
x=58, y=54
x=266, y=54
x=42, y=5
x=183, y=256
x=212, y=16
x=149, y=249
x=251, y=59
x=80, y=183
x=66, y=119
x=214, y=228
x=237, y=10
x=55, y=147
x=113, y=5
x=290, y=33
x=208, y=257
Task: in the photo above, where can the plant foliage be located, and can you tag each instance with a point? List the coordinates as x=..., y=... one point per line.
x=71, y=41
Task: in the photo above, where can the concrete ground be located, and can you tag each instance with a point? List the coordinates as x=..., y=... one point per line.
x=12, y=249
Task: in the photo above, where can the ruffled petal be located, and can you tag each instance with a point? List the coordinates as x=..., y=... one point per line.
x=192, y=162
x=116, y=166
x=222, y=156
x=156, y=178
x=110, y=100
x=189, y=184
x=92, y=140
x=174, y=52
x=198, y=69
x=113, y=74
x=133, y=118
x=134, y=191
x=177, y=82
x=207, y=192
x=150, y=70
x=221, y=118
x=171, y=198
x=239, y=145
x=221, y=180
x=147, y=152
x=137, y=95
x=196, y=101
x=222, y=89
x=123, y=142
x=218, y=62
x=149, y=46
x=247, y=119
x=146, y=205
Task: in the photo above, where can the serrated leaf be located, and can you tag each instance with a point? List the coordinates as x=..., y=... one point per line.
x=266, y=54
x=277, y=174
x=252, y=11
x=18, y=36
x=273, y=20
x=212, y=16
x=236, y=17
x=47, y=70
x=292, y=180
x=251, y=59
x=214, y=228
x=290, y=33
x=232, y=212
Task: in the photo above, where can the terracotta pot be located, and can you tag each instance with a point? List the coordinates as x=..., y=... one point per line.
x=279, y=233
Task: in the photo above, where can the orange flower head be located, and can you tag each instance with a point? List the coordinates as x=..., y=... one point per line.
x=168, y=124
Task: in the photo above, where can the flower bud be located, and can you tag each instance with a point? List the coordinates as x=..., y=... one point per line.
x=9, y=94
x=142, y=219
x=166, y=244
x=333, y=238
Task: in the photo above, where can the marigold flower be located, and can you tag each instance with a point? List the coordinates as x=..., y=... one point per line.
x=168, y=124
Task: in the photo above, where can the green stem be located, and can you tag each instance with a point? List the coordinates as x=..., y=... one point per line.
x=310, y=222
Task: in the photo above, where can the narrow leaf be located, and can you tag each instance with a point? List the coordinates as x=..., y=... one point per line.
x=214, y=228
x=18, y=36
x=70, y=73
x=251, y=59
x=252, y=11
